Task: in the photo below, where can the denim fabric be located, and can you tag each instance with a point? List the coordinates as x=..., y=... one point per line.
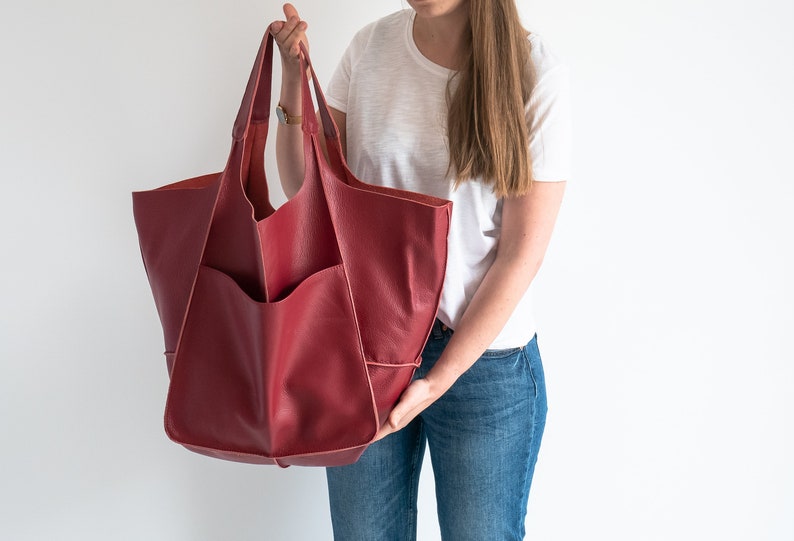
x=484, y=435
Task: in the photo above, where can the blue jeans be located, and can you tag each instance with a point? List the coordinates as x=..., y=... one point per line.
x=484, y=435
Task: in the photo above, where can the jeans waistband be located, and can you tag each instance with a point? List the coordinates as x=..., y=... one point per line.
x=440, y=331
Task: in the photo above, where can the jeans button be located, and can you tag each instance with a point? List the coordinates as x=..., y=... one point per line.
x=444, y=327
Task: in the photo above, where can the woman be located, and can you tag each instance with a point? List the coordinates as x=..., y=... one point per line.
x=455, y=99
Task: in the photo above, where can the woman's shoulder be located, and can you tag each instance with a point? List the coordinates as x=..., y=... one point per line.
x=544, y=60
x=384, y=29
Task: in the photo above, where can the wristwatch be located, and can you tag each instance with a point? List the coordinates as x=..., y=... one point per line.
x=284, y=118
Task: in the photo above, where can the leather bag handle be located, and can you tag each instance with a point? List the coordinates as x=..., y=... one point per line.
x=309, y=121
x=255, y=107
x=256, y=103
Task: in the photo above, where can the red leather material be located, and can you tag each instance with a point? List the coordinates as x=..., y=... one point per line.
x=172, y=224
x=291, y=333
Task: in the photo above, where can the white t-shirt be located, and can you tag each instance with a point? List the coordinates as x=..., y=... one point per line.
x=394, y=99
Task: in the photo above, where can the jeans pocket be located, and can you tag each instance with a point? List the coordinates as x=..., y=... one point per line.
x=500, y=353
x=531, y=355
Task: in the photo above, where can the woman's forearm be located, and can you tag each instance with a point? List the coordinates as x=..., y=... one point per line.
x=289, y=138
x=527, y=226
x=489, y=310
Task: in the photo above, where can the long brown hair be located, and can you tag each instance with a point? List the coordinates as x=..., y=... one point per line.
x=486, y=126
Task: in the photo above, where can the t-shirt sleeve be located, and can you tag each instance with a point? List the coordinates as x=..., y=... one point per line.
x=550, y=126
x=338, y=91
x=336, y=94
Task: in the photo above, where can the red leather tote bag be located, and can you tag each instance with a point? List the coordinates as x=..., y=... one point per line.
x=291, y=333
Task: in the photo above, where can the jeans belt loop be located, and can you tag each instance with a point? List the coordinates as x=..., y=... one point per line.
x=438, y=334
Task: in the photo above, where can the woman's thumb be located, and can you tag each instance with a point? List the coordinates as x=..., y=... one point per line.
x=290, y=11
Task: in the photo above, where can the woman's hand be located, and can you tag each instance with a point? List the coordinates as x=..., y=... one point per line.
x=416, y=397
x=288, y=35
x=414, y=400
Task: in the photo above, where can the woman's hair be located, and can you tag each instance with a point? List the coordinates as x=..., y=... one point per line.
x=487, y=130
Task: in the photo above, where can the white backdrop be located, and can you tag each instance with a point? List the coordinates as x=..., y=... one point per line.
x=666, y=303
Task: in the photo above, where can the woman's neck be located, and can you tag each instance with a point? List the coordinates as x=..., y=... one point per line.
x=443, y=39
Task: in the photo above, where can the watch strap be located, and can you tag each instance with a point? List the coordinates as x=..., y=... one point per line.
x=285, y=118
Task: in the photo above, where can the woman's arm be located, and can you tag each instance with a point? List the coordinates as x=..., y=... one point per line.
x=527, y=224
x=289, y=139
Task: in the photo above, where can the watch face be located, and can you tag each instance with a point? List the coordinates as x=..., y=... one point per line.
x=282, y=118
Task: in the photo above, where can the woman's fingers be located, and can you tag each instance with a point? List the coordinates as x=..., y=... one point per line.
x=288, y=34
x=290, y=11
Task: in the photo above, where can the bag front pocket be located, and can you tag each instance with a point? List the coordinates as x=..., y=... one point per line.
x=271, y=379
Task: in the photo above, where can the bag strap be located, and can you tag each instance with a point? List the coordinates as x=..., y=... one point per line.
x=255, y=106
x=256, y=103
x=330, y=129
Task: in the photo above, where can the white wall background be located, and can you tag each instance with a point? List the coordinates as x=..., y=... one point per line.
x=667, y=308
